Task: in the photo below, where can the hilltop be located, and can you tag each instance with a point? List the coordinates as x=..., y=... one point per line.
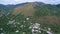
x=27, y=9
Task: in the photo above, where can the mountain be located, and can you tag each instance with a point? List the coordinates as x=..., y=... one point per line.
x=26, y=8
x=13, y=6
x=58, y=5
x=46, y=14
x=29, y=7
x=3, y=9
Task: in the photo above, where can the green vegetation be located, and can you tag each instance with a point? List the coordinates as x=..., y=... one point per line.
x=47, y=10
x=11, y=28
x=41, y=11
x=55, y=28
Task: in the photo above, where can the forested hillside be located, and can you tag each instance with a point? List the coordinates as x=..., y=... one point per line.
x=18, y=18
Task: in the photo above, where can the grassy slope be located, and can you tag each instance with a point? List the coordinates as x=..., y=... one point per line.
x=27, y=9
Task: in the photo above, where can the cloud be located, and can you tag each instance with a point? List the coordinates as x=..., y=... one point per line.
x=51, y=1
x=21, y=1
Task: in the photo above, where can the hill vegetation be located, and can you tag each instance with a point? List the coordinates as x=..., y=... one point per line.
x=45, y=14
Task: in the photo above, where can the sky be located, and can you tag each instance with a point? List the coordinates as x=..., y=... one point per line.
x=22, y=1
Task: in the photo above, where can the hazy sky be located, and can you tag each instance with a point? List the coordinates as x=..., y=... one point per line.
x=22, y=1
